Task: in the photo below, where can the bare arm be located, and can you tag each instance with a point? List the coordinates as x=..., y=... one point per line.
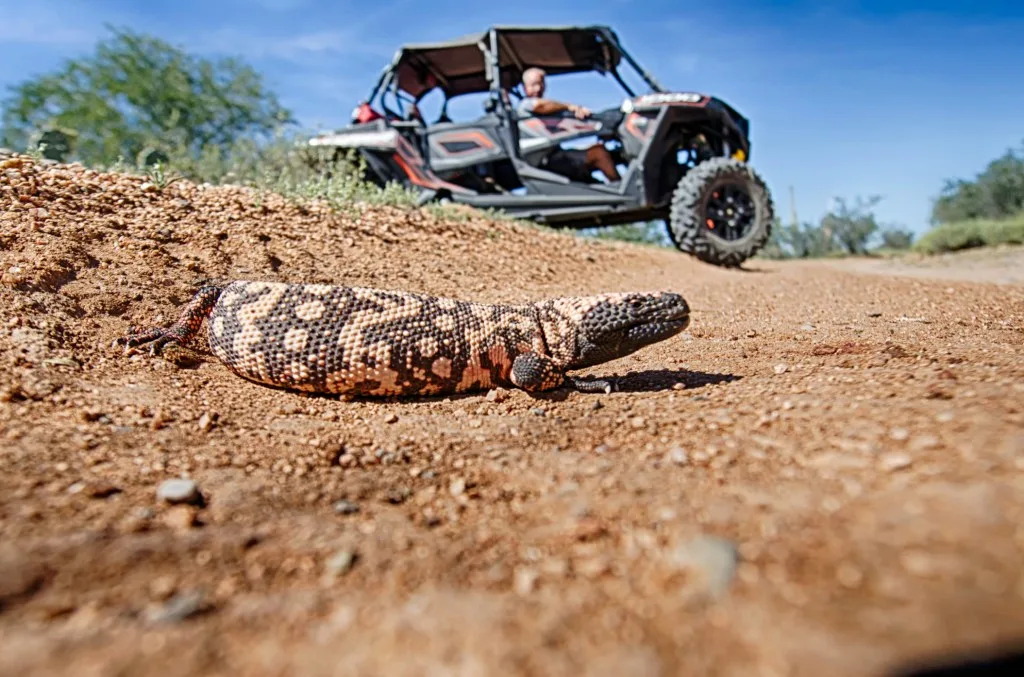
x=550, y=107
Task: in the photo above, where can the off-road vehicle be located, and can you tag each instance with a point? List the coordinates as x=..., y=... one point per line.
x=684, y=154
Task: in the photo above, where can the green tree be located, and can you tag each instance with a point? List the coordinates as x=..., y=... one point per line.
x=995, y=193
x=845, y=229
x=803, y=240
x=851, y=228
x=139, y=96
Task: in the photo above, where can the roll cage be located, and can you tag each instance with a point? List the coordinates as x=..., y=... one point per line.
x=493, y=61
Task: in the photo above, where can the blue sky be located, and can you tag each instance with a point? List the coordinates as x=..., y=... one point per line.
x=846, y=98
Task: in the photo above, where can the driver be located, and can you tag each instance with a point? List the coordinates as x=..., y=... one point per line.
x=576, y=164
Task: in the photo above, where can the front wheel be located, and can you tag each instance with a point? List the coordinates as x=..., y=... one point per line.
x=721, y=212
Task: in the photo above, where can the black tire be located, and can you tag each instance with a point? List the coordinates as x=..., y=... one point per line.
x=687, y=224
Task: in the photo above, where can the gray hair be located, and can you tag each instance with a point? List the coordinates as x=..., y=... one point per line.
x=533, y=71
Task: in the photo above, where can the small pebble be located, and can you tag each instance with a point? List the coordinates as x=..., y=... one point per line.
x=712, y=560
x=179, y=608
x=781, y=368
x=895, y=461
x=678, y=456
x=497, y=395
x=390, y=417
x=340, y=562
x=179, y=490
x=525, y=580
x=591, y=567
x=179, y=518
x=162, y=588
x=899, y=434
x=205, y=422
x=344, y=507
x=457, y=487
x=538, y=411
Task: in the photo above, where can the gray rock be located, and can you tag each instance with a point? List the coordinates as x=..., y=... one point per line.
x=344, y=507
x=179, y=490
x=711, y=563
x=340, y=563
x=179, y=608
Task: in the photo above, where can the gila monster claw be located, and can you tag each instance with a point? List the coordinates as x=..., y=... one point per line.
x=156, y=338
x=591, y=386
x=357, y=341
x=181, y=332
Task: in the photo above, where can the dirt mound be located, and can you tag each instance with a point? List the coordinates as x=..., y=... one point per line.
x=822, y=477
x=83, y=254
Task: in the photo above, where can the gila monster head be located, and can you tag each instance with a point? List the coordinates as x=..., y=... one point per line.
x=610, y=326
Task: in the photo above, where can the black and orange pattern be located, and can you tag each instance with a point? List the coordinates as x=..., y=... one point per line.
x=359, y=341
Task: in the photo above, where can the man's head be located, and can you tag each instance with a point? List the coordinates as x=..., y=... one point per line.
x=533, y=82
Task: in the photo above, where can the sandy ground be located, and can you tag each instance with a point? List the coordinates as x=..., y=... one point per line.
x=823, y=476
x=996, y=265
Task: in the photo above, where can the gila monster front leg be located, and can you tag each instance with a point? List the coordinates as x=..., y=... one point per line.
x=182, y=332
x=534, y=372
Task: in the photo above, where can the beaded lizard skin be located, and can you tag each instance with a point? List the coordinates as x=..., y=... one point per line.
x=331, y=339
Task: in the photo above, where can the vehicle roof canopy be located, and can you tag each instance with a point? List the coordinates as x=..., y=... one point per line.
x=459, y=66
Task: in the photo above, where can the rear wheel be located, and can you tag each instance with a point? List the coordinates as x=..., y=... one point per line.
x=721, y=212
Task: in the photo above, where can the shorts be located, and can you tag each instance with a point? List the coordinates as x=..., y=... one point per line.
x=570, y=163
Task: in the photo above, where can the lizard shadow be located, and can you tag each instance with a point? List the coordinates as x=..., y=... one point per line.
x=1006, y=661
x=654, y=380
x=650, y=380
x=647, y=381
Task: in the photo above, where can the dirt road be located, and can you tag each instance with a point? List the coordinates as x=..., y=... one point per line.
x=996, y=265
x=823, y=476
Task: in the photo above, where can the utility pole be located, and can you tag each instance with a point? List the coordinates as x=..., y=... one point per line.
x=792, y=207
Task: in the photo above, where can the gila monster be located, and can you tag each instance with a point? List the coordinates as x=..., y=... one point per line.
x=332, y=339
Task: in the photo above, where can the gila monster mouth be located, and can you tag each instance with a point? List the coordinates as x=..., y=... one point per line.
x=656, y=331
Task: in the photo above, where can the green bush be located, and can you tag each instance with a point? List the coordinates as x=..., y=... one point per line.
x=285, y=165
x=996, y=193
x=895, y=238
x=647, y=233
x=951, y=237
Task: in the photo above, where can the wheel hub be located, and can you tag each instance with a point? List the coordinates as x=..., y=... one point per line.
x=729, y=210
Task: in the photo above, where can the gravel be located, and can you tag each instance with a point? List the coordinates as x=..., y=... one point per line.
x=853, y=559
